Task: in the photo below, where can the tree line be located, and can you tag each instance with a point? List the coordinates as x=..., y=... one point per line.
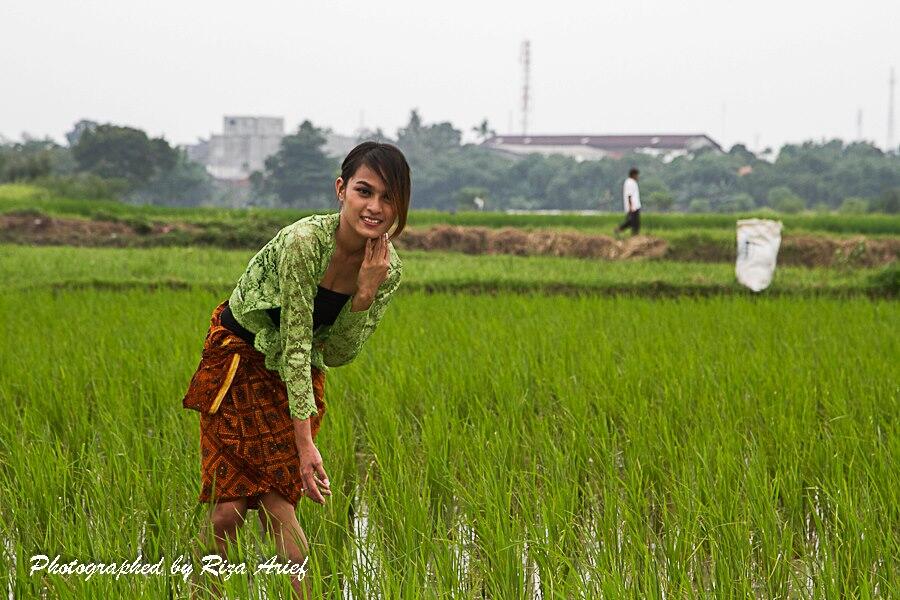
x=109, y=160
x=102, y=161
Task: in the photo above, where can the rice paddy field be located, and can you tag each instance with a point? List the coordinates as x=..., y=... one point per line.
x=517, y=428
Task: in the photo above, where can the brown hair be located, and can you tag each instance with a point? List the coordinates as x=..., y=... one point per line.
x=391, y=165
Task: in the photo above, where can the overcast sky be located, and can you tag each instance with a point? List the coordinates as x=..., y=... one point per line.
x=762, y=73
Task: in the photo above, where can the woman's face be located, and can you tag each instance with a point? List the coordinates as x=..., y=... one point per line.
x=364, y=205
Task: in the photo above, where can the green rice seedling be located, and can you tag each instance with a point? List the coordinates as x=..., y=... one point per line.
x=507, y=445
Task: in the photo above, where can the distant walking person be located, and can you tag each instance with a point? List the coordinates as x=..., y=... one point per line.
x=631, y=198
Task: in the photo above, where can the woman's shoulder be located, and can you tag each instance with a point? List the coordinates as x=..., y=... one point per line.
x=318, y=222
x=310, y=231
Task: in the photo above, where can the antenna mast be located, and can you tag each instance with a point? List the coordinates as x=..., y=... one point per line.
x=525, y=59
x=890, y=120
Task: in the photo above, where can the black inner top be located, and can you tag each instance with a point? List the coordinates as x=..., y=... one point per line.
x=327, y=305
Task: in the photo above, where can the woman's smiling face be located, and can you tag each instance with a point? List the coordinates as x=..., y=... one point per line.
x=365, y=207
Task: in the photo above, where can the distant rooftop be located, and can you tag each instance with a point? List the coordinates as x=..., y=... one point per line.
x=586, y=147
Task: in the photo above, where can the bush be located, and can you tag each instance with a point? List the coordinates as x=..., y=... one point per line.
x=784, y=200
x=699, y=205
x=741, y=202
x=661, y=199
x=854, y=206
x=887, y=279
x=83, y=186
x=465, y=197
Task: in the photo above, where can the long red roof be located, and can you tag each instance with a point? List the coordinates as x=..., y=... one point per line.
x=606, y=142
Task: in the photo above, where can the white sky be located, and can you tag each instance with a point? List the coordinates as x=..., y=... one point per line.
x=771, y=71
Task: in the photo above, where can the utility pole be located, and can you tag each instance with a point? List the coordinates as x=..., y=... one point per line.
x=525, y=59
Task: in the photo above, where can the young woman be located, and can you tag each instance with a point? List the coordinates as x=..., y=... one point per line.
x=307, y=301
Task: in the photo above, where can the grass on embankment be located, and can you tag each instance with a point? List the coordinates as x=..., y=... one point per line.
x=60, y=267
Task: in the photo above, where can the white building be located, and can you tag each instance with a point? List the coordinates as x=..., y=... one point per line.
x=241, y=148
x=246, y=142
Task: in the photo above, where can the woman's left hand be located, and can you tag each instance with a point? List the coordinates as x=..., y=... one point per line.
x=374, y=268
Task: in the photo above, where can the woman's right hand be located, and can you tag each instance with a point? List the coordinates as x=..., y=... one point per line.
x=312, y=472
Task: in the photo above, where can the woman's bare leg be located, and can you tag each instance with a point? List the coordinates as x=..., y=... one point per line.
x=224, y=521
x=279, y=517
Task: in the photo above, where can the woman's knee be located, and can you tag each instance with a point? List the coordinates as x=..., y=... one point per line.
x=228, y=516
x=279, y=516
x=273, y=507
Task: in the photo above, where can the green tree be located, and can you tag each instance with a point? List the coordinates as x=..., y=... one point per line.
x=741, y=152
x=888, y=202
x=113, y=152
x=300, y=174
x=185, y=184
x=33, y=158
x=421, y=141
x=79, y=128
x=22, y=166
x=483, y=131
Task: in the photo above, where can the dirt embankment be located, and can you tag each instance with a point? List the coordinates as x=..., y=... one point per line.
x=809, y=251
x=484, y=240
x=42, y=230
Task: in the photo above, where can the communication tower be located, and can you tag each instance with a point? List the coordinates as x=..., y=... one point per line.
x=890, y=119
x=525, y=59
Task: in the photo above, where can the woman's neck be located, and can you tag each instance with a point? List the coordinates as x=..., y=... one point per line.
x=348, y=244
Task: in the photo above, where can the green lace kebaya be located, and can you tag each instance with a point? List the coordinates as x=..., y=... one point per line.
x=286, y=273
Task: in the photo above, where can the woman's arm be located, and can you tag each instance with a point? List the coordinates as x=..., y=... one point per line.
x=297, y=282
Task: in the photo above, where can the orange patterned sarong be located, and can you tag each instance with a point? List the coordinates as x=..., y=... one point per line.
x=247, y=444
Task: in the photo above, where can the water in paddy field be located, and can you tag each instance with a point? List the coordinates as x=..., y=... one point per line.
x=365, y=566
x=10, y=552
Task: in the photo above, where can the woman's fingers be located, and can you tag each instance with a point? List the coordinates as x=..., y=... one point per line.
x=384, y=245
x=321, y=478
x=311, y=489
x=323, y=489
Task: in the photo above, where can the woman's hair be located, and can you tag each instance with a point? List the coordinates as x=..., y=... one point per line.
x=391, y=165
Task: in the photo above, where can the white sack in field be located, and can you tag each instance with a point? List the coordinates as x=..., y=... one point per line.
x=757, y=248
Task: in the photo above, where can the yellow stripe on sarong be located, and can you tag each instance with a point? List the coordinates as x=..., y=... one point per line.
x=232, y=369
